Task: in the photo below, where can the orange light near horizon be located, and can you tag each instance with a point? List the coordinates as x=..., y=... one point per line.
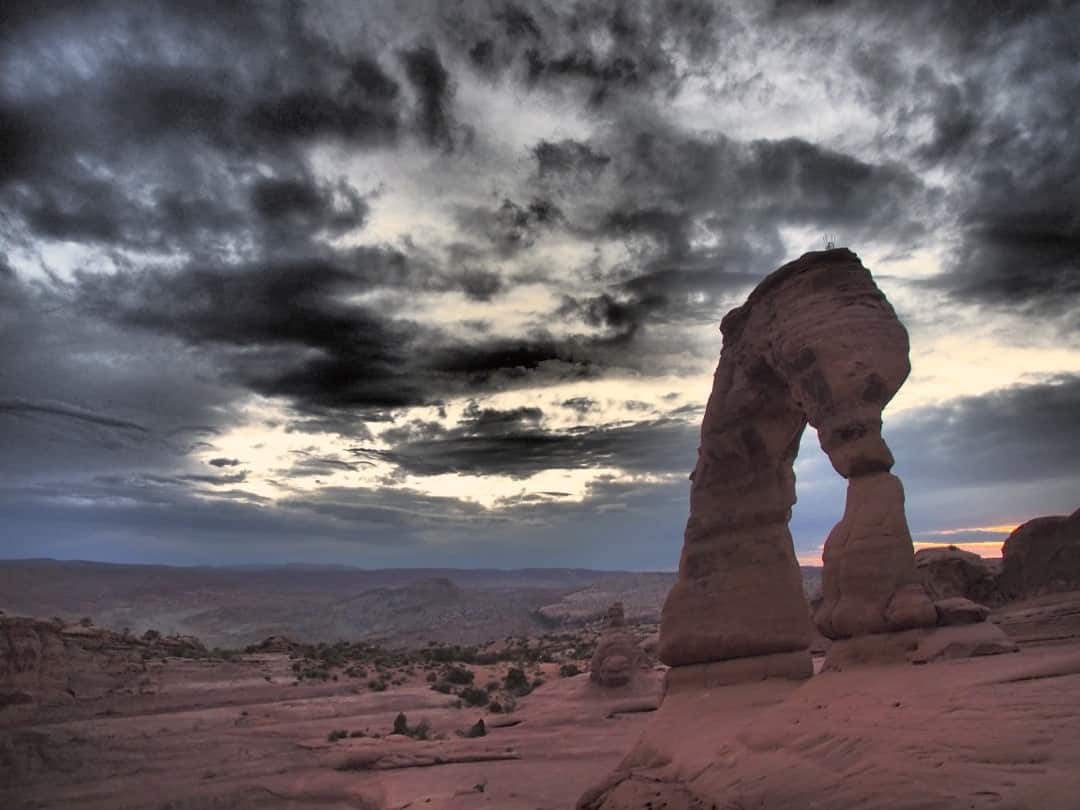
x=984, y=548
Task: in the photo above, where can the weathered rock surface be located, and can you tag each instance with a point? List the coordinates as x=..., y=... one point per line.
x=991, y=733
x=50, y=662
x=958, y=610
x=33, y=661
x=617, y=655
x=949, y=571
x=816, y=342
x=1042, y=556
x=963, y=641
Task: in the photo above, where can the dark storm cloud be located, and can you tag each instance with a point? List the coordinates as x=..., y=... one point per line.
x=987, y=95
x=1024, y=433
x=288, y=329
x=159, y=152
x=223, y=462
x=512, y=443
x=431, y=82
x=301, y=203
x=16, y=407
x=568, y=157
x=580, y=405
x=702, y=217
x=510, y=227
x=600, y=50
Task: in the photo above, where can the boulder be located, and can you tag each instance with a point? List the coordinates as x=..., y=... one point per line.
x=949, y=571
x=958, y=610
x=963, y=641
x=1042, y=556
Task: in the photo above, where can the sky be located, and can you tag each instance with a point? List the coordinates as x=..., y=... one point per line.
x=439, y=283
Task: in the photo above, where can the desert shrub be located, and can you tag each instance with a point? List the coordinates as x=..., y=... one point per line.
x=151, y=635
x=473, y=696
x=377, y=685
x=569, y=670
x=537, y=683
x=477, y=729
x=337, y=734
x=458, y=675
x=491, y=686
x=358, y=734
x=432, y=677
x=495, y=707
x=421, y=731
x=516, y=683
x=443, y=686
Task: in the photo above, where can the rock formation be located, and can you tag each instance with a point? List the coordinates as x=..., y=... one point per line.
x=33, y=661
x=617, y=655
x=948, y=571
x=816, y=342
x=1042, y=556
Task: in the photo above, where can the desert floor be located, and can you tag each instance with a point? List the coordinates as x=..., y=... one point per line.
x=991, y=732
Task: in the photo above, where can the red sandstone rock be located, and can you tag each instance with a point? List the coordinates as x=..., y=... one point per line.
x=816, y=342
x=617, y=655
x=1042, y=556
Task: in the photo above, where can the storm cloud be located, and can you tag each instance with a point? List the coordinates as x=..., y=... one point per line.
x=452, y=273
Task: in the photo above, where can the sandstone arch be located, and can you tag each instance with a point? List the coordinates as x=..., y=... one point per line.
x=816, y=342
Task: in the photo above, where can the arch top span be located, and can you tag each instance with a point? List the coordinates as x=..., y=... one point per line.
x=815, y=342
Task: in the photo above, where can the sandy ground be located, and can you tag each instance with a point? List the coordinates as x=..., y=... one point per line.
x=999, y=732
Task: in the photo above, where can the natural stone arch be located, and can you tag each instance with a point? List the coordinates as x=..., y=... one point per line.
x=816, y=342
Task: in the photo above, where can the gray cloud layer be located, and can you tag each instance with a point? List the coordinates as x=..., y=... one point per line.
x=173, y=244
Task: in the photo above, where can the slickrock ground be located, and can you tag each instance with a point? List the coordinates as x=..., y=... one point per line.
x=994, y=732
x=218, y=734
x=988, y=732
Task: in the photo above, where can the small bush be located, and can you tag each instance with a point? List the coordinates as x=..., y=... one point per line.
x=337, y=734
x=516, y=683
x=458, y=675
x=477, y=729
x=421, y=731
x=377, y=686
x=495, y=707
x=569, y=670
x=432, y=677
x=443, y=686
x=473, y=696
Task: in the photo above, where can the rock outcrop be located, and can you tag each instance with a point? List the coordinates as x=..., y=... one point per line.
x=52, y=662
x=617, y=655
x=33, y=661
x=816, y=342
x=948, y=571
x=1042, y=556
